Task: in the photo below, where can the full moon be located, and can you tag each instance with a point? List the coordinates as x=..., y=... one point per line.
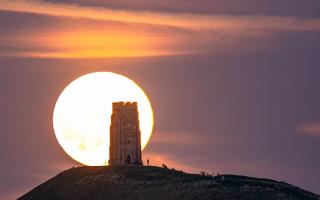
x=82, y=115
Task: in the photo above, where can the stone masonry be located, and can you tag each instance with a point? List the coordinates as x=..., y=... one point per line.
x=125, y=135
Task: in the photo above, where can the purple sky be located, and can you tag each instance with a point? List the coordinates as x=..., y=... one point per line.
x=235, y=87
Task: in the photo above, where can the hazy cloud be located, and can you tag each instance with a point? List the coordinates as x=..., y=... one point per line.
x=83, y=38
x=312, y=128
x=309, y=8
x=173, y=138
x=190, y=139
x=48, y=36
x=55, y=30
x=183, y=20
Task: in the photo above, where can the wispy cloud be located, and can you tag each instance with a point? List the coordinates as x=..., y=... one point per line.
x=312, y=128
x=81, y=38
x=236, y=7
x=188, y=21
x=97, y=32
x=189, y=139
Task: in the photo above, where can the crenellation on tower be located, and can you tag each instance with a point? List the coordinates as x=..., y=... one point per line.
x=125, y=135
x=124, y=106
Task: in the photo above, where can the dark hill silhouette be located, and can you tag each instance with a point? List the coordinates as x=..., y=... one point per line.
x=141, y=182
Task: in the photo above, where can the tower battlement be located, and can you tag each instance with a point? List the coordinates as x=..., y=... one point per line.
x=124, y=106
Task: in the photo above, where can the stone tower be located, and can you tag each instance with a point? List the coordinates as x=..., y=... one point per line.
x=125, y=136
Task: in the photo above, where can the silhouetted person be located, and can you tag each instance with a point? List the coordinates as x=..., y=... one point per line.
x=148, y=162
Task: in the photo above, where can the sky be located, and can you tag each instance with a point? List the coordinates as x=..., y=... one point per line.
x=234, y=85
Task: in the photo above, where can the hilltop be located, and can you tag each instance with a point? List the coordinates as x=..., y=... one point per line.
x=142, y=182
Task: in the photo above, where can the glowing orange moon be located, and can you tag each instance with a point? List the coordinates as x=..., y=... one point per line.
x=82, y=115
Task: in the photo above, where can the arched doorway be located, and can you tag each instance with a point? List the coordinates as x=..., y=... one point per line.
x=128, y=160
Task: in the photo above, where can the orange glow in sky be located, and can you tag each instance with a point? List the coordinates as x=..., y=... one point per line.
x=96, y=44
x=125, y=33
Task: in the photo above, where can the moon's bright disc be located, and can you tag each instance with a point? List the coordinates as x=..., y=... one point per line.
x=82, y=115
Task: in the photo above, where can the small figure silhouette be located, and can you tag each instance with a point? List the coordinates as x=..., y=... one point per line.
x=148, y=162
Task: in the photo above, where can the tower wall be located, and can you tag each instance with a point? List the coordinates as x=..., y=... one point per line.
x=125, y=135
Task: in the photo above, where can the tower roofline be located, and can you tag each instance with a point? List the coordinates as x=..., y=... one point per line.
x=120, y=106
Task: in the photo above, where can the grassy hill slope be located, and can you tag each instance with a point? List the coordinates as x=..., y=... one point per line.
x=141, y=182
